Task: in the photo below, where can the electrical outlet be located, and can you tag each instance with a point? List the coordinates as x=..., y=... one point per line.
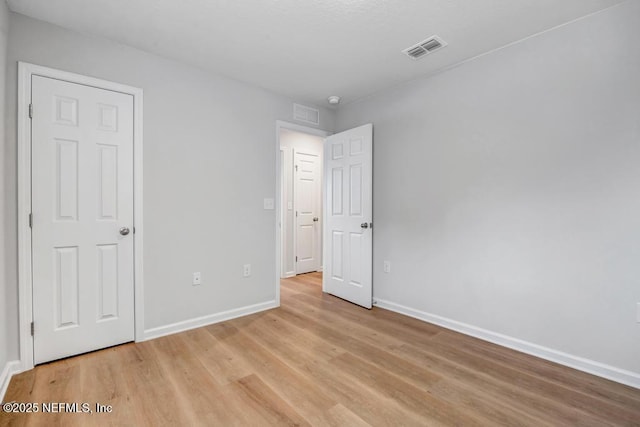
x=269, y=204
x=246, y=270
x=197, y=279
x=387, y=267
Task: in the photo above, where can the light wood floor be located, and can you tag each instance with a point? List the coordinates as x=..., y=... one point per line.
x=319, y=360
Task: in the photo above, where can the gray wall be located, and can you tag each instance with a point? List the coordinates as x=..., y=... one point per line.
x=507, y=189
x=209, y=160
x=7, y=326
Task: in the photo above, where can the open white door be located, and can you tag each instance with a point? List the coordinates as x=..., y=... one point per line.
x=82, y=201
x=348, y=215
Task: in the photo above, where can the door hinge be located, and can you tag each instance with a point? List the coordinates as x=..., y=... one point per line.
x=296, y=261
x=296, y=168
x=30, y=220
x=31, y=111
x=32, y=329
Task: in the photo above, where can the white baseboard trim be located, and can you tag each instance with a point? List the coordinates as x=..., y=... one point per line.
x=10, y=369
x=590, y=366
x=198, y=322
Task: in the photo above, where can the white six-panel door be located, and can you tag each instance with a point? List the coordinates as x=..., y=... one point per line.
x=348, y=224
x=82, y=204
x=307, y=190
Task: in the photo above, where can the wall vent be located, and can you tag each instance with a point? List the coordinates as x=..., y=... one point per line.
x=306, y=114
x=425, y=47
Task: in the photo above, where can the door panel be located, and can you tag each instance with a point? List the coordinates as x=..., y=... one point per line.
x=336, y=194
x=65, y=277
x=107, y=182
x=337, y=249
x=107, y=282
x=82, y=194
x=348, y=269
x=66, y=171
x=307, y=200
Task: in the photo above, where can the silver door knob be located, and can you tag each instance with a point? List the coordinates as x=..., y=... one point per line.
x=315, y=219
x=364, y=225
x=124, y=231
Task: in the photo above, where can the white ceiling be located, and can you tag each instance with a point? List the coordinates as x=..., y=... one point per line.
x=310, y=49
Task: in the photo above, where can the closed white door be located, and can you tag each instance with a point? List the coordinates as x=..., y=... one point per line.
x=82, y=206
x=348, y=225
x=307, y=206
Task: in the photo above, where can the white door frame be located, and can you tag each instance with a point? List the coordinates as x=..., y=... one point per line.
x=25, y=290
x=298, y=128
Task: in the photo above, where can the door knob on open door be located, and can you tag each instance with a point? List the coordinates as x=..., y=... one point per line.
x=124, y=231
x=315, y=219
x=364, y=225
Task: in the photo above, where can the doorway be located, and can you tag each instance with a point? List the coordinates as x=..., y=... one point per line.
x=344, y=231
x=300, y=202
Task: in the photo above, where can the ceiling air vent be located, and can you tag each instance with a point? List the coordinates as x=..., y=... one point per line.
x=306, y=114
x=425, y=47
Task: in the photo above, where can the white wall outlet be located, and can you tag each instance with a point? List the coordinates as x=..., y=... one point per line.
x=269, y=204
x=246, y=270
x=387, y=267
x=197, y=279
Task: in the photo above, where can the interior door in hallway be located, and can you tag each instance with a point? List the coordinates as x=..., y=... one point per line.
x=308, y=201
x=348, y=239
x=82, y=207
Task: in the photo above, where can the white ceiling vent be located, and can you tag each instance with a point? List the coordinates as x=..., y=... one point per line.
x=305, y=114
x=425, y=47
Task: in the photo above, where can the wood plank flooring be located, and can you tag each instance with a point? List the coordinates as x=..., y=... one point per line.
x=319, y=360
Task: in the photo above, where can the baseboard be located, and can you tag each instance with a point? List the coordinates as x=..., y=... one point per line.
x=10, y=369
x=207, y=320
x=590, y=366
